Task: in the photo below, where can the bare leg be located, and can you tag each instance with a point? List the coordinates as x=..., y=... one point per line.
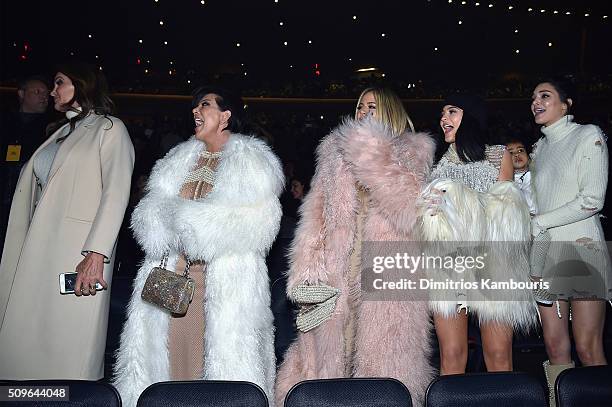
x=556, y=333
x=588, y=317
x=557, y=342
x=452, y=336
x=497, y=346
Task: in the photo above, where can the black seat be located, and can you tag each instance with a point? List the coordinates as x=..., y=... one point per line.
x=202, y=393
x=355, y=392
x=500, y=389
x=584, y=387
x=81, y=393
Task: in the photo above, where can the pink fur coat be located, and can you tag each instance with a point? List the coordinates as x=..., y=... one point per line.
x=392, y=337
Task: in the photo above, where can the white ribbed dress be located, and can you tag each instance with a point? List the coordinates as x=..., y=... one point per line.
x=569, y=179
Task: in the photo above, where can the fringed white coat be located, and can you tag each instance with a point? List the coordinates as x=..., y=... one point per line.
x=231, y=229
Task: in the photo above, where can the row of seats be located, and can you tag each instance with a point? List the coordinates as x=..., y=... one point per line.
x=583, y=387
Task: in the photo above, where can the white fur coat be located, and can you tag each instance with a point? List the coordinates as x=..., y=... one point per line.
x=231, y=229
x=455, y=214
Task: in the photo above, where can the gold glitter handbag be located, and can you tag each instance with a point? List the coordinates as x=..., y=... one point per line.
x=169, y=290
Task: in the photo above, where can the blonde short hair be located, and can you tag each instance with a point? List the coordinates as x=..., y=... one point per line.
x=389, y=109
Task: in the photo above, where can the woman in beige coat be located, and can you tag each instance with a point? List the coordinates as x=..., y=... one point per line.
x=65, y=217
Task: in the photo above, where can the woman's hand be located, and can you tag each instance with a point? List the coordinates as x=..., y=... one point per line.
x=90, y=271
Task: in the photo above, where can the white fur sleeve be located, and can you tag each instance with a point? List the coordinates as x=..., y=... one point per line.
x=208, y=228
x=152, y=223
x=242, y=212
x=152, y=219
x=507, y=213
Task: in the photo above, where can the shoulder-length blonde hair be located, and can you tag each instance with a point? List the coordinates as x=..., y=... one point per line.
x=389, y=109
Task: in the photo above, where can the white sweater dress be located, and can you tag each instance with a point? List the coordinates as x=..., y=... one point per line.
x=569, y=178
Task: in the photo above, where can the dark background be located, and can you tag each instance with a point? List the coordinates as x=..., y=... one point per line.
x=202, y=39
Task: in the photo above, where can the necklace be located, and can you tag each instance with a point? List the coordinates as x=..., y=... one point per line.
x=208, y=154
x=204, y=172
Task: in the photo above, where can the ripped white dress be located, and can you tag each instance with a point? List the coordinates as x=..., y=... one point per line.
x=569, y=179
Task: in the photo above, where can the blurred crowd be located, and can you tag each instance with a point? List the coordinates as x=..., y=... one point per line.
x=509, y=86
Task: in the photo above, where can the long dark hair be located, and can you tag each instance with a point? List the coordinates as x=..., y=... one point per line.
x=470, y=140
x=90, y=92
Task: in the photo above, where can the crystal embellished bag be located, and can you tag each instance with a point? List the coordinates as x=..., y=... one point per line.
x=169, y=290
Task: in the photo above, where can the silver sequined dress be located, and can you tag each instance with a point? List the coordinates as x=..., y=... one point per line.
x=479, y=175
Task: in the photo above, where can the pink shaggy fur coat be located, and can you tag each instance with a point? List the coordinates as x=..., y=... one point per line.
x=392, y=337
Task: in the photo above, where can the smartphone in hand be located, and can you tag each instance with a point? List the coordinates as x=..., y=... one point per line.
x=67, y=281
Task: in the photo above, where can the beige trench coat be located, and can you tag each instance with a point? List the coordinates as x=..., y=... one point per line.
x=44, y=334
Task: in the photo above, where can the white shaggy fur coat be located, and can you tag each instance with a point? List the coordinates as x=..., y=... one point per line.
x=231, y=229
x=453, y=213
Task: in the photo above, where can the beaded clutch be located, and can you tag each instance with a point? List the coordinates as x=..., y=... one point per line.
x=169, y=290
x=537, y=261
x=317, y=304
x=538, y=252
